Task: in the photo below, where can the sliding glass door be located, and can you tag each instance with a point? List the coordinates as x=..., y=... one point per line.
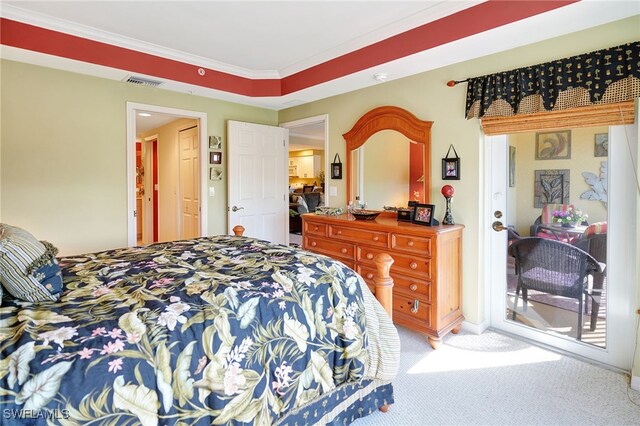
x=540, y=288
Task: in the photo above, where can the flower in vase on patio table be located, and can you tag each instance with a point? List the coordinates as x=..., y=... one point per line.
x=568, y=216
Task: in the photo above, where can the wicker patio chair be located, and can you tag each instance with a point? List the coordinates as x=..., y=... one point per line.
x=552, y=267
x=596, y=246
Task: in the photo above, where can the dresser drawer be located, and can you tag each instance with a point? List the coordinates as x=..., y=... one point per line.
x=415, y=309
x=402, y=263
x=361, y=236
x=367, y=273
x=411, y=244
x=413, y=287
x=409, y=286
x=330, y=248
x=315, y=228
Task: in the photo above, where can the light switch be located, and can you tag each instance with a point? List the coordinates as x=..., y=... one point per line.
x=333, y=191
x=212, y=191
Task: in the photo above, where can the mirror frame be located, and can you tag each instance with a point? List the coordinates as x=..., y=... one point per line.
x=390, y=118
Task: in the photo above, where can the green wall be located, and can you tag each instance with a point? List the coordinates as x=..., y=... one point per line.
x=63, y=153
x=428, y=97
x=63, y=145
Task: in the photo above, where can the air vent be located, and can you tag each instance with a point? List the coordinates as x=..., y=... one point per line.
x=141, y=81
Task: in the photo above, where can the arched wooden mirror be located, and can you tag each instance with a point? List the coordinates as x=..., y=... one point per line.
x=389, y=158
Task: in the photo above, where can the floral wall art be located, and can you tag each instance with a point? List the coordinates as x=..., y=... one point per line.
x=551, y=187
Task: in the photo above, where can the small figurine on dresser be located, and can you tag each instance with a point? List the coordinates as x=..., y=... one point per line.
x=448, y=191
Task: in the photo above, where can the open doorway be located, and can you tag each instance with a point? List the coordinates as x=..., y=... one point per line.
x=167, y=166
x=307, y=166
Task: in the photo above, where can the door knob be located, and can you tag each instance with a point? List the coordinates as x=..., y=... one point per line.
x=498, y=226
x=235, y=209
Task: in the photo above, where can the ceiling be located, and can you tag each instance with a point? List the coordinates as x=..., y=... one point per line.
x=277, y=54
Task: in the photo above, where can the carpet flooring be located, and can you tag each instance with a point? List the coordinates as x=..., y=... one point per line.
x=494, y=379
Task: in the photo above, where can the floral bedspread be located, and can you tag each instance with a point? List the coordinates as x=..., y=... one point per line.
x=219, y=330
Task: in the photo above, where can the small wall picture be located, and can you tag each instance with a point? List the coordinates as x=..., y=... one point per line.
x=215, y=158
x=215, y=142
x=215, y=173
x=423, y=214
x=512, y=166
x=553, y=145
x=601, y=145
x=450, y=169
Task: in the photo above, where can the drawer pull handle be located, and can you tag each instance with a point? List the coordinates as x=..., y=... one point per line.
x=343, y=250
x=369, y=255
x=369, y=275
x=416, y=305
x=413, y=265
x=413, y=287
x=376, y=238
x=338, y=232
x=315, y=228
x=410, y=243
x=313, y=244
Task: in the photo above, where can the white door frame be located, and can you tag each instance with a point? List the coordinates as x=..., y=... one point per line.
x=621, y=259
x=147, y=222
x=313, y=120
x=132, y=108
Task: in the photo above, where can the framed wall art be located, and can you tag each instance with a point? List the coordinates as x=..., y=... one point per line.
x=451, y=165
x=215, y=142
x=601, y=145
x=215, y=157
x=336, y=168
x=553, y=145
x=512, y=166
x=215, y=173
x=551, y=187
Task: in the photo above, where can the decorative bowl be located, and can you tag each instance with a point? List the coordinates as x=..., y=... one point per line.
x=365, y=214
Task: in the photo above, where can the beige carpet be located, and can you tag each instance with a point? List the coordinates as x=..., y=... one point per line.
x=494, y=379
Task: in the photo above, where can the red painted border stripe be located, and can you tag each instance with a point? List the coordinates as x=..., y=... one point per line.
x=37, y=39
x=477, y=19
x=482, y=17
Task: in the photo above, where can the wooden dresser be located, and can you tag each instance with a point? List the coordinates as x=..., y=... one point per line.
x=426, y=270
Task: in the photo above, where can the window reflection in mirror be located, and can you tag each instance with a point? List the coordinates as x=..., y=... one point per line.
x=388, y=170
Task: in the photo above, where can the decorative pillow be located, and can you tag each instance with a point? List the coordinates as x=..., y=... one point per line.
x=302, y=203
x=29, y=269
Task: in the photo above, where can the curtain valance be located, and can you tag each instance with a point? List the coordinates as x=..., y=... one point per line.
x=604, y=76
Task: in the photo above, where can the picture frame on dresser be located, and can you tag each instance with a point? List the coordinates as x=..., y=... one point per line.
x=423, y=214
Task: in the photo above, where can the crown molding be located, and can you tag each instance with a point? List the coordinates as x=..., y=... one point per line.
x=44, y=21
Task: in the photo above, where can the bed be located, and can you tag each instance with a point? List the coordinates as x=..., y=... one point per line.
x=216, y=330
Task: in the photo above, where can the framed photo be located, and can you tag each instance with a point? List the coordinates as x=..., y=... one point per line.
x=336, y=168
x=450, y=169
x=553, y=145
x=215, y=157
x=215, y=173
x=601, y=145
x=215, y=142
x=423, y=214
x=512, y=166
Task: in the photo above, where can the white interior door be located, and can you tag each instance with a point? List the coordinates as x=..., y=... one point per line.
x=258, y=181
x=621, y=272
x=189, y=183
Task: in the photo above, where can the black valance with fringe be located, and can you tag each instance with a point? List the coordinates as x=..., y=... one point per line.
x=604, y=76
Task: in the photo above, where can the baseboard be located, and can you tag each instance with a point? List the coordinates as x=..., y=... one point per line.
x=475, y=328
x=635, y=383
